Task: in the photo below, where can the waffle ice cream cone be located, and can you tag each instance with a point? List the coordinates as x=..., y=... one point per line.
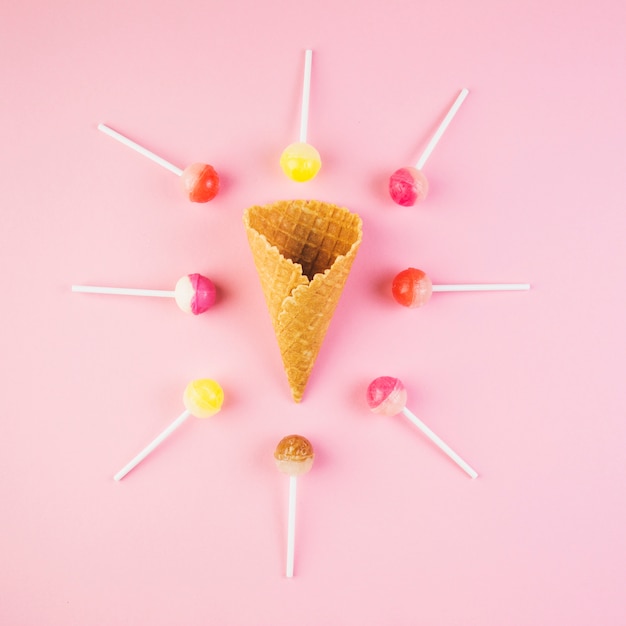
x=303, y=251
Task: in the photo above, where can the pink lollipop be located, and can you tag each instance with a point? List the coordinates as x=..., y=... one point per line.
x=413, y=288
x=200, y=181
x=408, y=185
x=387, y=396
x=193, y=293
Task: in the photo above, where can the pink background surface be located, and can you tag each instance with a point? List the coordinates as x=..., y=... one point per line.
x=526, y=186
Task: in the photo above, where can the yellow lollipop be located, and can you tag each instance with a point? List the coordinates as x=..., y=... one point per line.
x=300, y=160
x=202, y=398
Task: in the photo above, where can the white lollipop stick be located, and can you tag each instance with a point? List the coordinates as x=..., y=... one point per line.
x=123, y=291
x=291, y=525
x=151, y=446
x=484, y=287
x=440, y=443
x=442, y=128
x=135, y=146
x=306, y=92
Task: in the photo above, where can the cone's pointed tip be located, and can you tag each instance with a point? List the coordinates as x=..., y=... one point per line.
x=297, y=390
x=297, y=396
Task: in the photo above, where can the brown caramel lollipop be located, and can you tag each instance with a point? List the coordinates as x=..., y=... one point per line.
x=294, y=456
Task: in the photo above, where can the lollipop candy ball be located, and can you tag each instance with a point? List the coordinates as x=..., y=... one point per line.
x=294, y=455
x=203, y=397
x=200, y=182
x=386, y=396
x=300, y=161
x=408, y=185
x=194, y=293
x=412, y=288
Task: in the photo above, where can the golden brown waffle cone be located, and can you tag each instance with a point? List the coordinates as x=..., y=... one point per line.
x=303, y=251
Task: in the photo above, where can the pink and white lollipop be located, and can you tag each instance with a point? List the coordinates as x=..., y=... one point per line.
x=193, y=293
x=387, y=396
x=200, y=181
x=413, y=288
x=408, y=185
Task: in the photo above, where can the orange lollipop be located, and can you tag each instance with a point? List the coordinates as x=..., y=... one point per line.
x=200, y=181
x=413, y=288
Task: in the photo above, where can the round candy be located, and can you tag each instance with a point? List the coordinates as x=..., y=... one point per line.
x=203, y=397
x=294, y=455
x=386, y=395
x=412, y=288
x=408, y=185
x=200, y=182
x=194, y=293
x=300, y=161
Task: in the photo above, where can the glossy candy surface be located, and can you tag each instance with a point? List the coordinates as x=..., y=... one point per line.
x=294, y=455
x=200, y=182
x=407, y=186
x=194, y=294
x=203, y=397
x=300, y=161
x=412, y=288
x=386, y=395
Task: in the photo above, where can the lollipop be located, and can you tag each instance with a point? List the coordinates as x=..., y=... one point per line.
x=202, y=398
x=300, y=160
x=200, y=181
x=412, y=287
x=408, y=184
x=387, y=396
x=294, y=456
x=193, y=293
